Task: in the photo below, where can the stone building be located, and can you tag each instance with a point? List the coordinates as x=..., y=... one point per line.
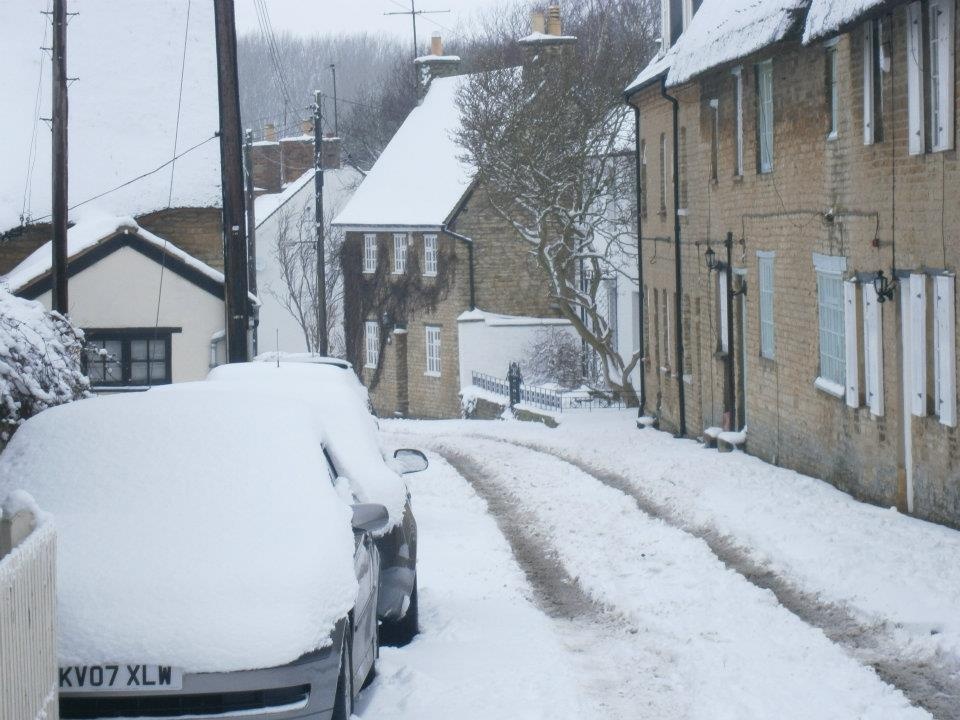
x=423, y=247
x=820, y=138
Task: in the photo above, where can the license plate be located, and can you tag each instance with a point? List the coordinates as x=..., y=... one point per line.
x=120, y=678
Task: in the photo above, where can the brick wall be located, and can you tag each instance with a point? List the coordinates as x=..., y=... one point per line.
x=876, y=192
x=197, y=231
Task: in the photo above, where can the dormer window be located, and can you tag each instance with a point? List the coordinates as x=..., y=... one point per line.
x=675, y=18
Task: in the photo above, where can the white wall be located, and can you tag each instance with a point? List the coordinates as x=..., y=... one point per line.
x=122, y=290
x=489, y=343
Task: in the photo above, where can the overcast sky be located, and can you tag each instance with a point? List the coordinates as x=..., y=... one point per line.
x=308, y=17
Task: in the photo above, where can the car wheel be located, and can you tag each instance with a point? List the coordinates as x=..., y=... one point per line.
x=403, y=631
x=343, y=703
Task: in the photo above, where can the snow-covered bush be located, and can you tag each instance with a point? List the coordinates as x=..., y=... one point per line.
x=553, y=356
x=39, y=361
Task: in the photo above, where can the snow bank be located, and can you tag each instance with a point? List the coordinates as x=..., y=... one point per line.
x=826, y=17
x=39, y=361
x=193, y=530
x=123, y=108
x=391, y=195
x=338, y=403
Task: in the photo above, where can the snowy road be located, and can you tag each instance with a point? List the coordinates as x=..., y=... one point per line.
x=545, y=592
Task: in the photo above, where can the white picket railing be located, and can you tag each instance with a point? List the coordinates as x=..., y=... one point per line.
x=28, y=650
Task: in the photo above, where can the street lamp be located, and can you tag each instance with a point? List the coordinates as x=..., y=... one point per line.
x=711, y=258
x=883, y=287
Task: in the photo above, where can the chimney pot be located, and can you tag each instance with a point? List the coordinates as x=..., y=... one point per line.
x=538, y=22
x=436, y=45
x=306, y=127
x=554, y=24
x=270, y=132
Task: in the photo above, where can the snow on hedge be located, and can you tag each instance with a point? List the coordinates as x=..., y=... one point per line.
x=826, y=17
x=39, y=361
x=195, y=528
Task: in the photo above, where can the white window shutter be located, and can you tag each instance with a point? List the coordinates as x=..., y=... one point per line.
x=946, y=360
x=724, y=296
x=915, y=78
x=945, y=87
x=873, y=349
x=916, y=290
x=850, y=334
x=868, y=120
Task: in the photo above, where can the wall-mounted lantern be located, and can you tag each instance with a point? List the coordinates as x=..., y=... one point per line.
x=884, y=287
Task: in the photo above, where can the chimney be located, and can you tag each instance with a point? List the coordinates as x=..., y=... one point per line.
x=270, y=132
x=330, y=152
x=265, y=158
x=554, y=23
x=538, y=22
x=436, y=65
x=306, y=127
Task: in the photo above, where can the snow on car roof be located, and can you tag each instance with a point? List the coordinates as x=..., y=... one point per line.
x=197, y=527
x=339, y=403
x=127, y=58
x=420, y=176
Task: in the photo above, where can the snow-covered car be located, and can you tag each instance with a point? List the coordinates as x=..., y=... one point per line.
x=203, y=568
x=340, y=402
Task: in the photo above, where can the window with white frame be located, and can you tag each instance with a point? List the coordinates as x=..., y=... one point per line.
x=643, y=178
x=399, y=253
x=833, y=89
x=430, y=255
x=738, y=121
x=765, y=116
x=930, y=76
x=370, y=253
x=433, y=350
x=372, y=341
x=945, y=358
x=832, y=323
x=872, y=349
x=765, y=284
x=873, y=69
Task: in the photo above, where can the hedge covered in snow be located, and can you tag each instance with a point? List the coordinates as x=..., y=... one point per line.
x=39, y=361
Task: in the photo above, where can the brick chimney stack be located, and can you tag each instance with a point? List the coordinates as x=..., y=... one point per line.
x=546, y=37
x=436, y=65
x=265, y=158
x=331, y=152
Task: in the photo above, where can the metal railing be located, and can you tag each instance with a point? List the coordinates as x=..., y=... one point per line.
x=549, y=399
x=28, y=650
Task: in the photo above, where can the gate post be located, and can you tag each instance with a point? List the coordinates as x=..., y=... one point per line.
x=515, y=379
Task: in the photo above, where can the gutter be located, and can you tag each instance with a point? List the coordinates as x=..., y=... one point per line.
x=677, y=232
x=637, y=189
x=469, y=242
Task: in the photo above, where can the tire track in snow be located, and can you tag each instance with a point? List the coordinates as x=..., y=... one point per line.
x=929, y=681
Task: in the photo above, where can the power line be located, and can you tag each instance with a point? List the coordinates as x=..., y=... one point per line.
x=32, y=153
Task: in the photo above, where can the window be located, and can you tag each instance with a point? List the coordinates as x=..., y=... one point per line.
x=643, y=178
x=765, y=276
x=930, y=76
x=714, y=139
x=429, y=254
x=765, y=117
x=433, y=351
x=663, y=174
x=833, y=90
x=872, y=349
x=945, y=359
x=832, y=322
x=372, y=341
x=873, y=69
x=370, y=253
x=126, y=357
x=399, y=253
x=738, y=121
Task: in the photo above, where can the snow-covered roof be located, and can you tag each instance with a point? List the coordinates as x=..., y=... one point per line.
x=88, y=234
x=338, y=185
x=420, y=178
x=437, y=59
x=195, y=529
x=123, y=107
x=539, y=38
x=827, y=17
x=723, y=31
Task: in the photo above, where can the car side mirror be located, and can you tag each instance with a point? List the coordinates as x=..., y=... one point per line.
x=411, y=461
x=370, y=518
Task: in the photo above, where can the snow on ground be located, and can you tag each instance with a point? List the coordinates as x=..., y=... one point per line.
x=885, y=566
x=734, y=651
x=485, y=650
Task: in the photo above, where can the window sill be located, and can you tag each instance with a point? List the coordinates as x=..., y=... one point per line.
x=370, y=272
x=399, y=273
x=833, y=137
x=830, y=388
x=432, y=374
x=430, y=274
x=368, y=366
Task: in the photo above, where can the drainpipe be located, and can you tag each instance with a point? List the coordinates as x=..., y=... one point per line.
x=678, y=300
x=639, y=173
x=469, y=242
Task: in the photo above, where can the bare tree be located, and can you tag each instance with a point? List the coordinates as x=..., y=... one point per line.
x=548, y=142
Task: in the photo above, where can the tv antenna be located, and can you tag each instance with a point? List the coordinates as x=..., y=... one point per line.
x=413, y=13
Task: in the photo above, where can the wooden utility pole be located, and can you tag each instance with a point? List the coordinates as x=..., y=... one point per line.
x=250, y=197
x=231, y=173
x=322, y=345
x=59, y=175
